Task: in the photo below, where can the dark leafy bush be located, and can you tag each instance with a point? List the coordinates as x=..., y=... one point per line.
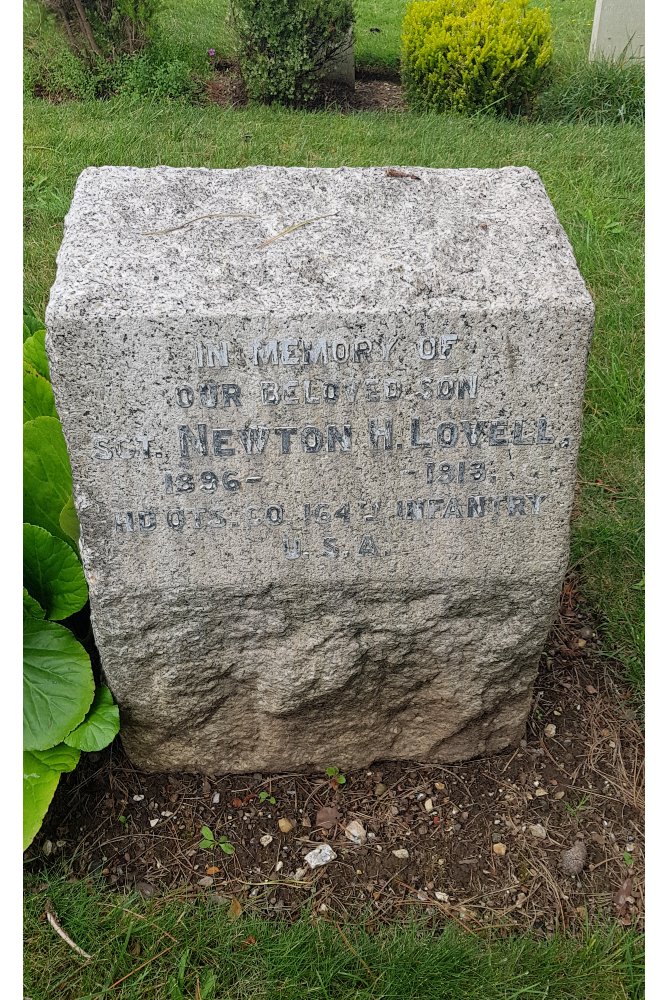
x=155, y=73
x=474, y=55
x=282, y=45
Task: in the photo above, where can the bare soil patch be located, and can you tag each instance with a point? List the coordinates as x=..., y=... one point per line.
x=479, y=842
x=371, y=93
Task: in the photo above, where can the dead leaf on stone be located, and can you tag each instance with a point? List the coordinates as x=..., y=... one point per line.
x=327, y=817
x=235, y=909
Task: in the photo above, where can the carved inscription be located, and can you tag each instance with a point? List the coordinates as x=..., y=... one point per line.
x=454, y=459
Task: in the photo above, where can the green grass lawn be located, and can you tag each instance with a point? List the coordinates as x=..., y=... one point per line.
x=185, y=950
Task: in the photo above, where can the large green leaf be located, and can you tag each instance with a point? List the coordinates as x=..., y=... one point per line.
x=47, y=479
x=31, y=321
x=52, y=573
x=58, y=685
x=34, y=353
x=38, y=399
x=69, y=521
x=39, y=784
x=100, y=725
x=60, y=758
x=30, y=606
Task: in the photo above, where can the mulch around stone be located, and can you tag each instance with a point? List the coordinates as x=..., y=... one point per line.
x=371, y=93
x=481, y=842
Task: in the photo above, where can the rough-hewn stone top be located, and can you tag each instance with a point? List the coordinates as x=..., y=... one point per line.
x=379, y=241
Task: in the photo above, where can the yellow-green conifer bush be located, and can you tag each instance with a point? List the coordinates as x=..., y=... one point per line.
x=474, y=55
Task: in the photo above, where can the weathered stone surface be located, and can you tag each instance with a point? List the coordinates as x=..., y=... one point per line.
x=618, y=30
x=324, y=480
x=340, y=68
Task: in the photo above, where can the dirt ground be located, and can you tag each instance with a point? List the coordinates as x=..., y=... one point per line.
x=480, y=842
x=371, y=93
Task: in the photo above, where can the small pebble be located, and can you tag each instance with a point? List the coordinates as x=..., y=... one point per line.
x=205, y=881
x=138, y=798
x=537, y=830
x=355, y=832
x=286, y=825
x=439, y=786
x=550, y=730
x=500, y=849
x=380, y=789
x=572, y=861
x=147, y=890
x=266, y=840
x=428, y=805
x=320, y=856
x=279, y=866
x=400, y=853
x=442, y=897
x=539, y=792
x=154, y=822
x=216, y=798
x=299, y=874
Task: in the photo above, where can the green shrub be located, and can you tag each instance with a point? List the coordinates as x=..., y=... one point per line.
x=155, y=73
x=282, y=45
x=600, y=92
x=63, y=712
x=474, y=55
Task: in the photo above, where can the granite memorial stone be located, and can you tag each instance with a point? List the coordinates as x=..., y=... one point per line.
x=323, y=427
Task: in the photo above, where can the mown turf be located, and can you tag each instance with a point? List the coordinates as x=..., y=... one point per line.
x=183, y=950
x=594, y=176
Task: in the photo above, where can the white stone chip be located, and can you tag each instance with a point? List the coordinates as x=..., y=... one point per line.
x=320, y=856
x=356, y=832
